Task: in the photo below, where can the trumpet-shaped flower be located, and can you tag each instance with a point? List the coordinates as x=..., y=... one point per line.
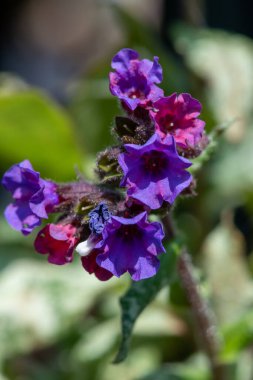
x=131, y=245
x=154, y=172
x=33, y=197
x=133, y=80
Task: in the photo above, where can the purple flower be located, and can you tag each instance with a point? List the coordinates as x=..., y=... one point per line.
x=178, y=115
x=154, y=172
x=134, y=80
x=33, y=197
x=98, y=217
x=131, y=245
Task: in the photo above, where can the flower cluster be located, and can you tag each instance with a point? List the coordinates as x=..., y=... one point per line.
x=108, y=223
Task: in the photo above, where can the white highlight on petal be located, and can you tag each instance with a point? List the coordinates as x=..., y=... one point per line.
x=84, y=248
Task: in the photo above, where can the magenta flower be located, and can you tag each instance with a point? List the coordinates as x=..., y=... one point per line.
x=154, y=172
x=131, y=245
x=58, y=241
x=178, y=116
x=33, y=197
x=134, y=80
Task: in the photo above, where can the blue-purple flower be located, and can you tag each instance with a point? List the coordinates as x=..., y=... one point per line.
x=33, y=197
x=131, y=245
x=134, y=80
x=154, y=172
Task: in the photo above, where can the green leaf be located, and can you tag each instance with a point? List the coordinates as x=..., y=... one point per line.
x=33, y=127
x=141, y=293
x=237, y=336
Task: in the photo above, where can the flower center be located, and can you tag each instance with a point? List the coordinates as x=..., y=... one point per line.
x=167, y=123
x=136, y=94
x=155, y=162
x=129, y=232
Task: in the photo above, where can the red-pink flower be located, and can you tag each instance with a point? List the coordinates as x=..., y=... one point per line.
x=177, y=115
x=89, y=253
x=58, y=241
x=89, y=263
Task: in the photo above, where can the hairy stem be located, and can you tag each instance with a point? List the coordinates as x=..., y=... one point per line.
x=203, y=316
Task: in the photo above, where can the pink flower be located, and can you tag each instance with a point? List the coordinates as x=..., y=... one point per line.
x=178, y=115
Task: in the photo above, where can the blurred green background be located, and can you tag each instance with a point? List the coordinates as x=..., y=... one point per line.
x=56, y=110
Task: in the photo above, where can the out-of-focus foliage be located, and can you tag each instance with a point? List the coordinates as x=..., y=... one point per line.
x=225, y=62
x=195, y=368
x=33, y=292
x=238, y=336
x=58, y=322
x=34, y=127
x=225, y=244
x=236, y=159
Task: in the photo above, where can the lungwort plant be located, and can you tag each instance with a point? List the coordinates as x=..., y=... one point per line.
x=123, y=221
